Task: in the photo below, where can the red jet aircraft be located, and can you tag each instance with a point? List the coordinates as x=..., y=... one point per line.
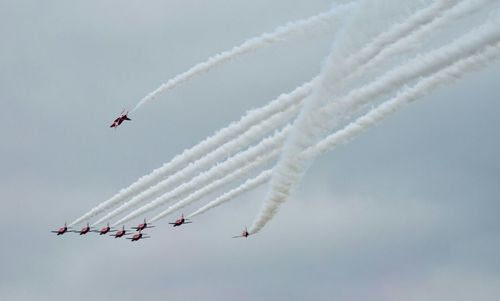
x=137, y=236
x=243, y=234
x=61, y=230
x=120, y=233
x=106, y=230
x=123, y=116
x=180, y=221
x=85, y=230
x=142, y=226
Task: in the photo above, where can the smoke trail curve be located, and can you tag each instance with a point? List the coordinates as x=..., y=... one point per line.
x=220, y=170
x=228, y=133
x=232, y=146
x=420, y=66
x=422, y=88
x=281, y=33
x=250, y=184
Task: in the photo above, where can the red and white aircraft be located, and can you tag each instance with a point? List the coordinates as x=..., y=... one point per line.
x=106, y=230
x=120, y=233
x=123, y=116
x=180, y=221
x=85, y=230
x=61, y=230
x=243, y=234
x=143, y=226
x=137, y=236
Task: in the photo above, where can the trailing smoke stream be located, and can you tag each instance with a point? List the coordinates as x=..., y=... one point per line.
x=290, y=171
x=220, y=170
x=395, y=34
x=307, y=27
x=407, y=43
x=392, y=39
x=235, y=174
x=208, y=145
x=228, y=133
x=422, y=88
x=323, y=102
x=220, y=153
x=250, y=184
x=425, y=86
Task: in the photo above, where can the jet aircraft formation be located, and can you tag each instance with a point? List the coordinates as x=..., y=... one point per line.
x=138, y=235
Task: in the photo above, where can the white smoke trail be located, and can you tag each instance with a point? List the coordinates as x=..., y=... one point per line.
x=250, y=184
x=235, y=174
x=248, y=137
x=425, y=86
x=351, y=67
x=422, y=88
x=209, y=188
x=306, y=26
x=224, y=135
x=247, y=157
x=221, y=137
x=346, y=69
x=290, y=169
x=411, y=41
x=393, y=38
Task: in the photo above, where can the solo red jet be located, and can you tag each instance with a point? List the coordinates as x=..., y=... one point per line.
x=243, y=234
x=180, y=221
x=123, y=116
x=120, y=233
x=106, y=230
x=137, y=236
x=61, y=230
x=142, y=226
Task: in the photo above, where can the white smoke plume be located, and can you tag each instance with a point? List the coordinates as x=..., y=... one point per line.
x=304, y=27
x=275, y=121
x=411, y=41
x=290, y=169
x=425, y=86
x=422, y=88
x=393, y=39
x=247, y=157
x=237, y=174
x=250, y=184
x=208, y=145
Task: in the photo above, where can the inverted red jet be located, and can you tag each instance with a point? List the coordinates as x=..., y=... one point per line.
x=106, y=230
x=61, y=230
x=243, y=234
x=180, y=221
x=120, y=233
x=123, y=116
x=137, y=236
x=143, y=226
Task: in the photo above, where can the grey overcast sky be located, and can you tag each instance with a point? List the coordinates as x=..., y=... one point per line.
x=407, y=211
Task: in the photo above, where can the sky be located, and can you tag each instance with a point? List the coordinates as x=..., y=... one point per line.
x=407, y=211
